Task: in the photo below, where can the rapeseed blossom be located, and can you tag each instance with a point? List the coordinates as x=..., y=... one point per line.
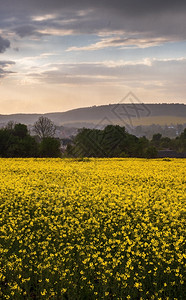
x=93, y=229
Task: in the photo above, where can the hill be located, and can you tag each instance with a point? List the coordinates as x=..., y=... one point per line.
x=128, y=114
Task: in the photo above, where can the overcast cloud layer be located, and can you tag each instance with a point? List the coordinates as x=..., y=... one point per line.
x=102, y=49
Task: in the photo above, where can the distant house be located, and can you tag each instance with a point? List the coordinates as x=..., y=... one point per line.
x=170, y=153
x=64, y=142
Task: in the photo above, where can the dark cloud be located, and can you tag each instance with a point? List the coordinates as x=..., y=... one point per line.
x=4, y=44
x=124, y=6
x=6, y=63
x=155, y=18
x=28, y=30
x=3, y=68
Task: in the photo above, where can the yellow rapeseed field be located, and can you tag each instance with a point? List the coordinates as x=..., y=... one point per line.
x=92, y=228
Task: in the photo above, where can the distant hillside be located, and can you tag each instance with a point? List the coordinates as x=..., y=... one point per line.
x=122, y=114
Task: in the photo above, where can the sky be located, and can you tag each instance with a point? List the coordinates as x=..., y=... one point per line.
x=63, y=54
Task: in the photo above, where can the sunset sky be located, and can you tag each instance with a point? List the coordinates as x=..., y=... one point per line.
x=59, y=55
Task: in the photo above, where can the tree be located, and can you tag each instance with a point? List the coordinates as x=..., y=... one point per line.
x=50, y=147
x=5, y=141
x=44, y=127
x=10, y=125
x=16, y=142
x=156, y=137
x=20, y=130
x=143, y=144
x=156, y=140
x=151, y=152
x=165, y=142
x=112, y=141
x=183, y=135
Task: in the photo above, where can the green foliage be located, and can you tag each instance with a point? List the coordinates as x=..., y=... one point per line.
x=183, y=135
x=20, y=130
x=178, y=144
x=157, y=137
x=151, y=152
x=49, y=147
x=5, y=139
x=143, y=144
x=16, y=142
x=113, y=141
x=165, y=142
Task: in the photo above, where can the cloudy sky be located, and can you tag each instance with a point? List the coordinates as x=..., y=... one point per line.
x=63, y=54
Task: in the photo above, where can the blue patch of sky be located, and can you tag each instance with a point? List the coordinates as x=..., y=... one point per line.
x=165, y=51
x=59, y=44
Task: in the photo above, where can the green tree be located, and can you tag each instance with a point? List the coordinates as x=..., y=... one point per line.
x=151, y=152
x=16, y=142
x=165, y=142
x=49, y=147
x=20, y=130
x=183, y=135
x=5, y=141
x=114, y=140
x=143, y=144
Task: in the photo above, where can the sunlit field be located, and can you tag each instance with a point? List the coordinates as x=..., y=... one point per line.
x=92, y=228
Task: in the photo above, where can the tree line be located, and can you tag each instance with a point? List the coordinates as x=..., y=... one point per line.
x=112, y=141
x=16, y=141
x=115, y=141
